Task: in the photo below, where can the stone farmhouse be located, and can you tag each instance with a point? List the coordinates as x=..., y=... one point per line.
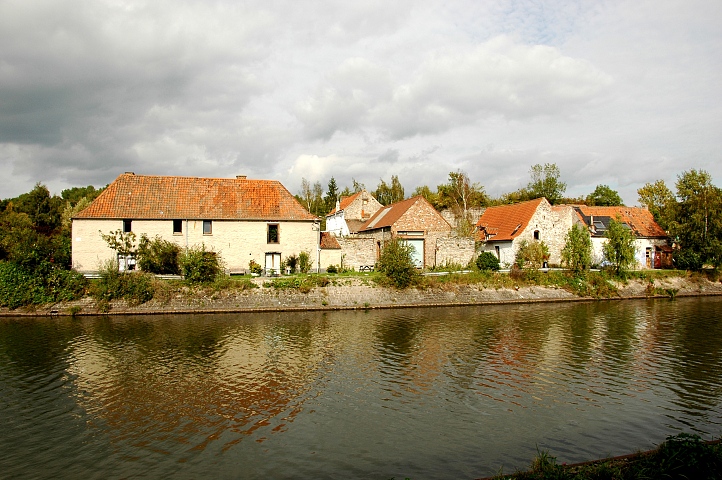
x=501, y=229
x=351, y=213
x=651, y=241
x=415, y=221
x=238, y=218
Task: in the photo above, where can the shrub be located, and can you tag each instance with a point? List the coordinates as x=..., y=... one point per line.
x=688, y=259
x=255, y=267
x=619, y=248
x=332, y=269
x=531, y=254
x=135, y=287
x=304, y=262
x=397, y=263
x=291, y=262
x=158, y=256
x=487, y=261
x=20, y=286
x=577, y=251
x=199, y=265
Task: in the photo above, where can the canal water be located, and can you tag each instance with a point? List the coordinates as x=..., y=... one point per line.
x=420, y=393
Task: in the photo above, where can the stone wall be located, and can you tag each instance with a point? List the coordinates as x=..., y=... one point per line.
x=454, y=250
x=358, y=252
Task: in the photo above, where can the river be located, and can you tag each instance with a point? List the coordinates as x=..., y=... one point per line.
x=421, y=393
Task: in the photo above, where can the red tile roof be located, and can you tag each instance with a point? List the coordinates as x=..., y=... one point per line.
x=345, y=202
x=639, y=219
x=389, y=214
x=160, y=197
x=329, y=242
x=508, y=221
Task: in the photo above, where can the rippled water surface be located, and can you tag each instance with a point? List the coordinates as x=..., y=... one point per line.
x=419, y=393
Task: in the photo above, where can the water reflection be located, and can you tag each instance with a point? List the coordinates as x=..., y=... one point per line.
x=427, y=393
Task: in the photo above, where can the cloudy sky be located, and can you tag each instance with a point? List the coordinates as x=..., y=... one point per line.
x=614, y=92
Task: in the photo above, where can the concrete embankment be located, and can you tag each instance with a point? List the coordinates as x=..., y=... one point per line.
x=345, y=293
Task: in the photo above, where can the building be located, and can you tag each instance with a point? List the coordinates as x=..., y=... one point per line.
x=351, y=213
x=501, y=229
x=239, y=219
x=650, y=240
x=415, y=221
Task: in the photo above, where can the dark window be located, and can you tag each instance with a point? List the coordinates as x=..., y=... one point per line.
x=207, y=227
x=127, y=226
x=536, y=234
x=273, y=233
x=177, y=226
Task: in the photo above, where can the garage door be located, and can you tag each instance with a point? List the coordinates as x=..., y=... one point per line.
x=418, y=254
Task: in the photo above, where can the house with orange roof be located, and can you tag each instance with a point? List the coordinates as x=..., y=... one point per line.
x=238, y=218
x=351, y=213
x=650, y=240
x=415, y=221
x=502, y=228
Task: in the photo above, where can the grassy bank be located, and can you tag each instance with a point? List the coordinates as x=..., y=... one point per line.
x=683, y=456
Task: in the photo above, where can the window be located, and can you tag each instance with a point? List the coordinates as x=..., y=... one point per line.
x=177, y=227
x=536, y=234
x=272, y=233
x=207, y=227
x=127, y=226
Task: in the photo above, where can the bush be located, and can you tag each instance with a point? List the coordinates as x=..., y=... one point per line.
x=531, y=254
x=135, y=287
x=20, y=286
x=688, y=259
x=199, y=265
x=304, y=262
x=577, y=251
x=158, y=256
x=255, y=267
x=332, y=269
x=487, y=261
x=397, y=263
x=291, y=262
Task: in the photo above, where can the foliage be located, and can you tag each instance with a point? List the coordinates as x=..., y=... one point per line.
x=304, y=262
x=331, y=196
x=577, y=251
x=311, y=197
x=531, y=254
x=255, y=267
x=698, y=216
x=122, y=242
x=135, y=287
x=487, y=261
x=387, y=194
x=158, y=256
x=291, y=262
x=397, y=263
x=619, y=249
x=604, y=196
x=332, y=269
x=43, y=209
x=660, y=202
x=460, y=195
x=431, y=197
x=20, y=286
x=688, y=259
x=545, y=182
x=198, y=265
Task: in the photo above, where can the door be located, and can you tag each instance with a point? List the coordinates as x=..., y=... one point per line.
x=417, y=255
x=273, y=263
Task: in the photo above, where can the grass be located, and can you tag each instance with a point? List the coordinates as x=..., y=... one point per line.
x=683, y=456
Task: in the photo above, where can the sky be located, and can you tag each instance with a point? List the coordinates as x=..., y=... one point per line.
x=618, y=93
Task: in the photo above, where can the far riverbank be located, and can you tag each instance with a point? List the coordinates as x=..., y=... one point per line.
x=359, y=293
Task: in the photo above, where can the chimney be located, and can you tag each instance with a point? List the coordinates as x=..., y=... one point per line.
x=130, y=173
x=240, y=177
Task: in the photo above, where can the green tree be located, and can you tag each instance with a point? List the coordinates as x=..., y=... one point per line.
x=397, y=263
x=545, y=182
x=387, y=194
x=531, y=254
x=75, y=194
x=487, y=261
x=431, y=197
x=44, y=210
x=199, y=265
x=158, y=255
x=619, y=248
x=660, y=202
x=122, y=242
x=577, y=251
x=460, y=195
x=698, y=216
x=604, y=196
x=331, y=196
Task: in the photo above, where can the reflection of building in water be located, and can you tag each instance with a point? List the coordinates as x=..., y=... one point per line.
x=250, y=381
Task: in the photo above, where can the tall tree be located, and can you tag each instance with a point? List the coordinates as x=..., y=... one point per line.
x=660, y=202
x=387, y=194
x=619, y=248
x=604, y=196
x=545, y=182
x=425, y=191
x=331, y=196
x=698, y=222
x=460, y=195
x=577, y=251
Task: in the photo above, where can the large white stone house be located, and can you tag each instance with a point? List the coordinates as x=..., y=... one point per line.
x=501, y=229
x=240, y=219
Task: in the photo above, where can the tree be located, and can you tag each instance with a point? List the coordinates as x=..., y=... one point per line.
x=603, y=196
x=545, y=182
x=698, y=216
x=487, y=261
x=331, y=196
x=44, y=210
x=431, y=197
x=460, y=195
x=619, y=248
x=397, y=263
x=577, y=251
x=122, y=242
x=660, y=202
x=531, y=254
x=388, y=194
